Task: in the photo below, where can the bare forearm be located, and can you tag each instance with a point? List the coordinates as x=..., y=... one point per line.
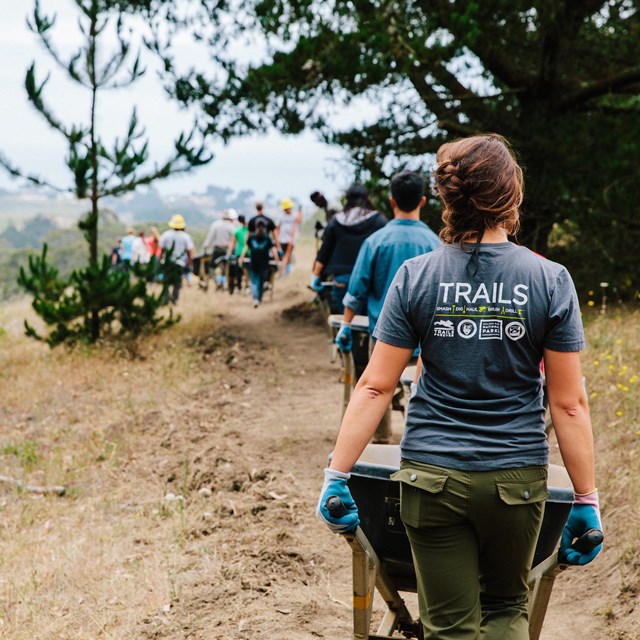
x=369, y=401
x=363, y=415
x=570, y=415
x=317, y=268
x=349, y=314
x=575, y=439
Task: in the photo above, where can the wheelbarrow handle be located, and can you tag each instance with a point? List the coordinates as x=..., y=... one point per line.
x=588, y=540
x=344, y=340
x=585, y=543
x=335, y=507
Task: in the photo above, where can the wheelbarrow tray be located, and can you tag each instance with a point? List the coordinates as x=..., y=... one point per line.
x=378, y=500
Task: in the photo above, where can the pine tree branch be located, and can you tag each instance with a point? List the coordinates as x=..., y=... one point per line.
x=457, y=128
x=18, y=173
x=34, y=93
x=414, y=70
x=484, y=48
x=610, y=84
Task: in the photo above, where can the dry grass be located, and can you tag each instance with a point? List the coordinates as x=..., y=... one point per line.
x=116, y=557
x=612, y=370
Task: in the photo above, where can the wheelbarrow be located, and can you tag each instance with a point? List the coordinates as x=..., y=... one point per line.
x=354, y=362
x=269, y=283
x=381, y=552
x=324, y=303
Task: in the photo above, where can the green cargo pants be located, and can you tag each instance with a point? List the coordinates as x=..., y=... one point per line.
x=473, y=536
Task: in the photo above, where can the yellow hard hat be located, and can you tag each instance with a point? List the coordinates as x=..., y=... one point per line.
x=287, y=203
x=177, y=222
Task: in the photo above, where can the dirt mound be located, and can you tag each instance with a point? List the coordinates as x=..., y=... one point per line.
x=306, y=311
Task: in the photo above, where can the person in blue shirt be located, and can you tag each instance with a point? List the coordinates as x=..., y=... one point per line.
x=127, y=248
x=263, y=249
x=380, y=257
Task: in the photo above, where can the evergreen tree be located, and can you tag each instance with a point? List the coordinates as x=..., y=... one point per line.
x=97, y=300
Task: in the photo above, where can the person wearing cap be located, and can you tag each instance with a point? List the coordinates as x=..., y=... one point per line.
x=219, y=235
x=341, y=240
x=177, y=249
x=286, y=232
x=380, y=257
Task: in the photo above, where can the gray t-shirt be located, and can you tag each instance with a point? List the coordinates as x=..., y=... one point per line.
x=479, y=400
x=180, y=242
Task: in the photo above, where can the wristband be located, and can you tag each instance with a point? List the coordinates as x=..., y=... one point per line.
x=582, y=495
x=589, y=498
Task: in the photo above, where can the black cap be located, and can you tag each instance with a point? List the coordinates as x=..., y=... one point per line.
x=356, y=190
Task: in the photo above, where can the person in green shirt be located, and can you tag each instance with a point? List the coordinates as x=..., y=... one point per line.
x=235, y=249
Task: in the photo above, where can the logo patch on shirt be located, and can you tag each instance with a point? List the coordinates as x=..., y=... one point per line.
x=467, y=329
x=515, y=330
x=443, y=329
x=490, y=330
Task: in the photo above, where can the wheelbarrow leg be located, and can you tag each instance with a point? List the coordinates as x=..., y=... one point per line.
x=326, y=312
x=541, y=579
x=349, y=368
x=368, y=574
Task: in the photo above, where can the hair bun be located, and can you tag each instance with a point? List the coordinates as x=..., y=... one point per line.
x=480, y=185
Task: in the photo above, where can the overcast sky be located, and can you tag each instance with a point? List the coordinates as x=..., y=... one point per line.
x=271, y=164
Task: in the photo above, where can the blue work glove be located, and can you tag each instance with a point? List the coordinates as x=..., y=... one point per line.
x=316, y=283
x=582, y=517
x=335, y=484
x=344, y=339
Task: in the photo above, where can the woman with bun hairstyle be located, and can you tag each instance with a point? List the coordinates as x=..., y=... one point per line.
x=474, y=455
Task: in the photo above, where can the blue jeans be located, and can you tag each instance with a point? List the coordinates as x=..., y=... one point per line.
x=338, y=293
x=257, y=278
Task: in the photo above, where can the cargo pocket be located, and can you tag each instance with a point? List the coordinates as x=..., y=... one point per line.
x=514, y=492
x=416, y=488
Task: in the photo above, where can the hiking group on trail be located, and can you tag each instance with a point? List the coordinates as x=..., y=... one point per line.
x=232, y=247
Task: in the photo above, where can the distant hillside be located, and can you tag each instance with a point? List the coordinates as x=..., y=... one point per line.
x=144, y=205
x=32, y=233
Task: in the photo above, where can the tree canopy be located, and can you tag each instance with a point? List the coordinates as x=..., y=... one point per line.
x=559, y=78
